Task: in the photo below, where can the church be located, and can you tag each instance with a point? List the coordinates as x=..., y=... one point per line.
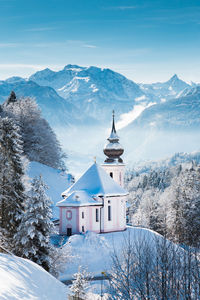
x=97, y=201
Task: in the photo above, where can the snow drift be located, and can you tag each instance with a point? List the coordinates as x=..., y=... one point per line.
x=23, y=279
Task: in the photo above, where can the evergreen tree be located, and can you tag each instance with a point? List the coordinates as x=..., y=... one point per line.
x=40, y=142
x=33, y=237
x=80, y=283
x=11, y=99
x=12, y=190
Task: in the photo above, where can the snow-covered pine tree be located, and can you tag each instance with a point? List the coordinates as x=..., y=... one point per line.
x=33, y=236
x=40, y=142
x=80, y=283
x=12, y=190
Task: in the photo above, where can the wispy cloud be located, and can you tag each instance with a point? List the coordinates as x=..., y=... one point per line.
x=126, y=7
x=176, y=16
x=129, y=117
x=9, y=45
x=79, y=43
x=89, y=46
x=131, y=7
x=40, y=29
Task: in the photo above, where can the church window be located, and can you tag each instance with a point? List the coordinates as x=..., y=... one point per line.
x=83, y=229
x=82, y=214
x=109, y=213
x=97, y=215
x=111, y=174
x=69, y=214
x=108, y=201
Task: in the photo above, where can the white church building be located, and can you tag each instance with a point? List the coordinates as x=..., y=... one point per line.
x=97, y=201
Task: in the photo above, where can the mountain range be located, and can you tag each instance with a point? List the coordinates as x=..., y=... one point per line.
x=78, y=101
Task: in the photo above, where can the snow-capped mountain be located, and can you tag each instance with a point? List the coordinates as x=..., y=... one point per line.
x=47, y=98
x=78, y=101
x=178, y=113
x=165, y=128
x=166, y=90
x=96, y=91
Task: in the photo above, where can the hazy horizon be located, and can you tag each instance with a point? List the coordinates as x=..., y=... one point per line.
x=147, y=41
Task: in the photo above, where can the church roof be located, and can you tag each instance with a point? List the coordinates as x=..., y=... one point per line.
x=79, y=198
x=96, y=182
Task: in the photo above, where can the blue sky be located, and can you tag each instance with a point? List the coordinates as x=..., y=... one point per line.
x=144, y=40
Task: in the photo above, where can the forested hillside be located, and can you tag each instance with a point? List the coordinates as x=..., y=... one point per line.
x=167, y=200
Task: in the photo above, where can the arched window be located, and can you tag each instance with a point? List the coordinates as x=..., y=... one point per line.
x=111, y=174
x=69, y=214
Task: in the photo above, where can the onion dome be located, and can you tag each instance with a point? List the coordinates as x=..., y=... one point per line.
x=113, y=150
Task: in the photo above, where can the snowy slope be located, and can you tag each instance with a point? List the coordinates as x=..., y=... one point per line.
x=56, y=180
x=25, y=280
x=93, y=251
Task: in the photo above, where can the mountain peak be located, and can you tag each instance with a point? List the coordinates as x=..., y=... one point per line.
x=174, y=77
x=73, y=67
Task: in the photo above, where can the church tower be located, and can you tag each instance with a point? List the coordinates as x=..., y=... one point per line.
x=113, y=164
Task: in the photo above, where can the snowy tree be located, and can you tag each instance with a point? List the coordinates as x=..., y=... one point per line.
x=40, y=142
x=33, y=236
x=12, y=98
x=80, y=283
x=184, y=207
x=153, y=268
x=59, y=258
x=12, y=190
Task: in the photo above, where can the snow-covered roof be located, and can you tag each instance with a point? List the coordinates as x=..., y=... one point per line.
x=96, y=182
x=116, y=146
x=79, y=198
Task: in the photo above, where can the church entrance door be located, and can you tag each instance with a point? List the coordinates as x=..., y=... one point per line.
x=69, y=231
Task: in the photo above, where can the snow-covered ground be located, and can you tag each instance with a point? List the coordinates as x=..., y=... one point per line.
x=93, y=251
x=56, y=180
x=25, y=280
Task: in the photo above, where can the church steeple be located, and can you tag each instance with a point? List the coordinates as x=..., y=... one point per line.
x=113, y=150
x=113, y=135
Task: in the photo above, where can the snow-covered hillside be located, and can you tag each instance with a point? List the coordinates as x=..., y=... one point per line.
x=22, y=279
x=93, y=251
x=56, y=180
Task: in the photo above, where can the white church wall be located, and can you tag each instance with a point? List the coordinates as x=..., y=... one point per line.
x=117, y=171
x=69, y=219
x=83, y=218
x=117, y=221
